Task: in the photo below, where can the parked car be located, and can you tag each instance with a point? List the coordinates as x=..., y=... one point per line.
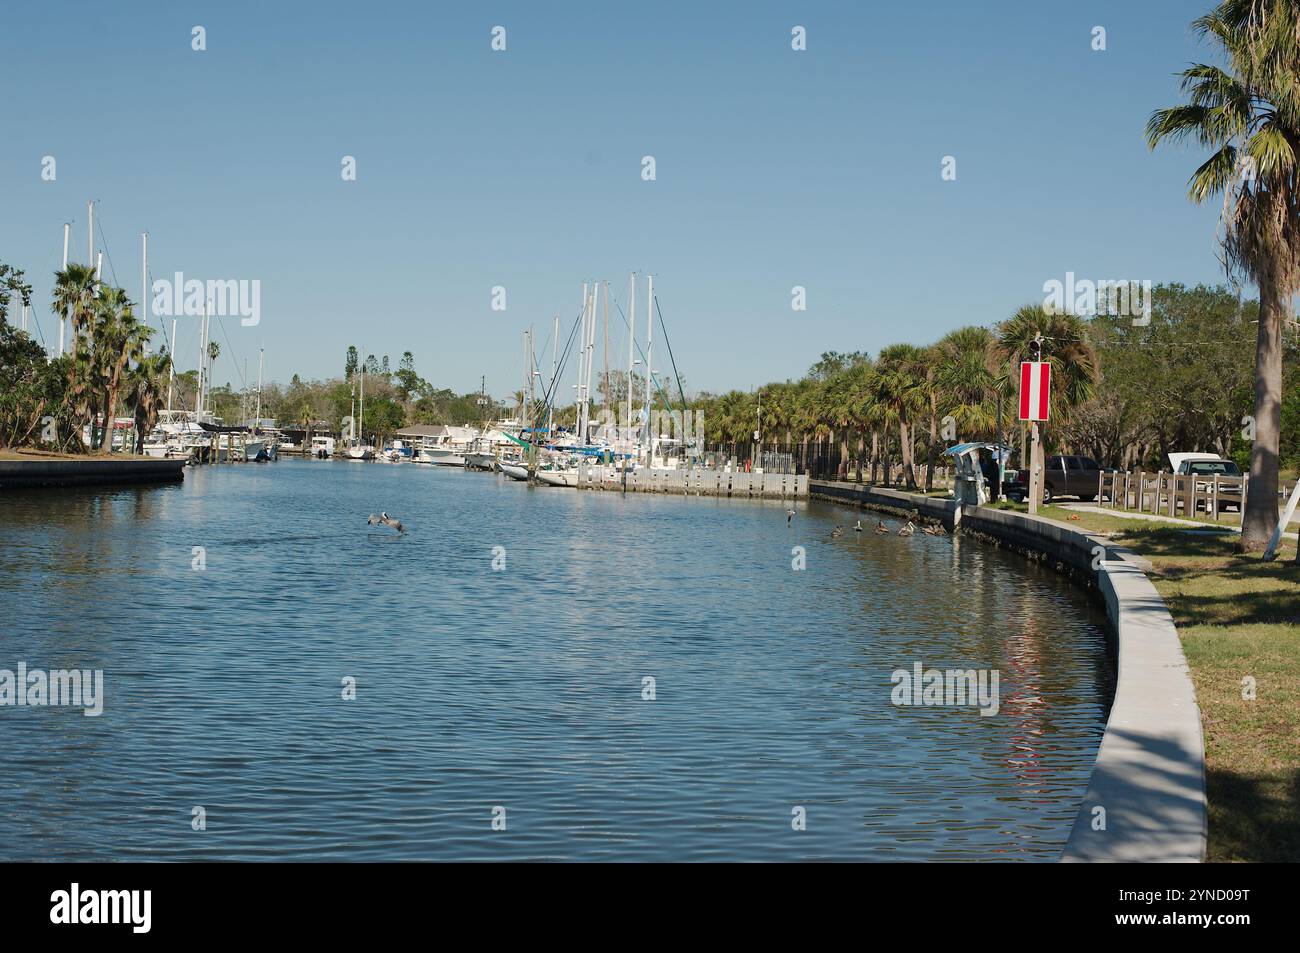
x=1209, y=465
x=1062, y=476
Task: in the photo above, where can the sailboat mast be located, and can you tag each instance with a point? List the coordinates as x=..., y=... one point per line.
x=362, y=414
x=258, y=418
x=608, y=399
x=631, y=342
x=555, y=369
x=144, y=280
x=171, y=369
x=649, y=350
x=203, y=357
x=67, y=229
x=582, y=360
x=591, y=361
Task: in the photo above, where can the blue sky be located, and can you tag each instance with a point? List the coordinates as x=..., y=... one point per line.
x=522, y=168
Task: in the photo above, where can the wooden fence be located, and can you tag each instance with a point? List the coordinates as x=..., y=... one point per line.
x=1168, y=494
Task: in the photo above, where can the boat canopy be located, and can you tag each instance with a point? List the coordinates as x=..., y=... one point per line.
x=964, y=448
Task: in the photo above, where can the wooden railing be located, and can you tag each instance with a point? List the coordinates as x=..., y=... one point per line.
x=1168, y=494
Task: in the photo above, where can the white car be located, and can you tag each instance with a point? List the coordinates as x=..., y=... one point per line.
x=1208, y=466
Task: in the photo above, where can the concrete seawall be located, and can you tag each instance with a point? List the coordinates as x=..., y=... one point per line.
x=92, y=471
x=1145, y=800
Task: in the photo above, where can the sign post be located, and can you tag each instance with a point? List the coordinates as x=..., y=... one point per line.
x=1035, y=401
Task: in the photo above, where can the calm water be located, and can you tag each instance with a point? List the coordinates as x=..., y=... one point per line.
x=522, y=688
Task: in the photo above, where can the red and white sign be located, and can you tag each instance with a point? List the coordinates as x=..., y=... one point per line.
x=1035, y=389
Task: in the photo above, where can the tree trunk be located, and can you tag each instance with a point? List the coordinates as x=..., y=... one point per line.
x=905, y=451
x=875, y=454
x=1260, y=516
x=934, y=436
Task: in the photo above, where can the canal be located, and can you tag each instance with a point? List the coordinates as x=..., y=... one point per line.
x=539, y=674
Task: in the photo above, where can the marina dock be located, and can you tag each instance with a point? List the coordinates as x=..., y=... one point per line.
x=694, y=482
x=92, y=471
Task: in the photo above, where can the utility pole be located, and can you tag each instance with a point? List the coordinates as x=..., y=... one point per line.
x=1035, y=441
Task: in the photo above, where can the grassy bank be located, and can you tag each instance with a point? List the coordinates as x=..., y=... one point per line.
x=1239, y=618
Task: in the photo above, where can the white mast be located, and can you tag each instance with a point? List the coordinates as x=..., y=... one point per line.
x=144, y=280
x=67, y=228
x=99, y=268
x=555, y=369
x=631, y=342
x=203, y=357
x=590, y=359
x=171, y=368
x=582, y=363
x=608, y=398
x=362, y=414
x=90, y=232
x=258, y=418
x=588, y=313
x=649, y=350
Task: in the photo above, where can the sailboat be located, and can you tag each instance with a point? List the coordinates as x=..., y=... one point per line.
x=359, y=450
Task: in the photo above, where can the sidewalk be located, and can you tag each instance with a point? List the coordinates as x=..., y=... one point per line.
x=1152, y=518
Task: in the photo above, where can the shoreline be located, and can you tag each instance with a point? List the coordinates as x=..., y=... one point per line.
x=55, y=471
x=1146, y=797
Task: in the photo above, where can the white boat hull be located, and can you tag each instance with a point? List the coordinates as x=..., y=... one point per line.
x=558, y=477
x=514, y=471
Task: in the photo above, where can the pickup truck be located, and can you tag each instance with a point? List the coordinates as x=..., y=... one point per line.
x=1205, y=467
x=1062, y=476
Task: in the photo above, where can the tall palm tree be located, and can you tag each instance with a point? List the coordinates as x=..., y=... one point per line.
x=74, y=298
x=118, y=340
x=899, y=388
x=1249, y=115
x=146, y=391
x=1065, y=346
x=964, y=380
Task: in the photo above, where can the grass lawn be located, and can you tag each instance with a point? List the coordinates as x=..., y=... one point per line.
x=1239, y=618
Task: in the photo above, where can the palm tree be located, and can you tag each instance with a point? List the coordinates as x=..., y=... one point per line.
x=74, y=298
x=1249, y=114
x=146, y=389
x=118, y=339
x=965, y=384
x=1065, y=346
x=899, y=389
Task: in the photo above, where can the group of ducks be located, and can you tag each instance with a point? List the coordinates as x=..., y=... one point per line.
x=909, y=529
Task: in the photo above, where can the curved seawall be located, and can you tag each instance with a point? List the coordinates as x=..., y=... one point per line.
x=1145, y=800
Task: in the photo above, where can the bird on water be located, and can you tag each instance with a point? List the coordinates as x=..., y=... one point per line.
x=907, y=530
x=789, y=515
x=857, y=528
x=383, y=519
x=837, y=532
x=881, y=528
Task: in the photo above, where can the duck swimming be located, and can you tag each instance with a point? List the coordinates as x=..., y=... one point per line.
x=837, y=532
x=907, y=530
x=881, y=528
x=858, y=527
